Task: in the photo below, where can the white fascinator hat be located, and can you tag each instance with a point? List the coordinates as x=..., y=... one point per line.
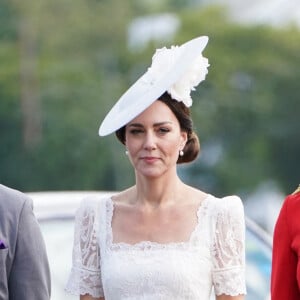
x=176, y=70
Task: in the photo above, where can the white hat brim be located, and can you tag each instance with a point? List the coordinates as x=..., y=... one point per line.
x=140, y=95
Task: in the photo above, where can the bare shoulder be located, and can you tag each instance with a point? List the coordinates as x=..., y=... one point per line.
x=194, y=195
x=297, y=191
x=123, y=198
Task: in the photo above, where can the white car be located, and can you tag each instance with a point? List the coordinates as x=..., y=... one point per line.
x=55, y=212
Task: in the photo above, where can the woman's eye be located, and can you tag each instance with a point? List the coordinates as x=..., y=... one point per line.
x=135, y=131
x=164, y=130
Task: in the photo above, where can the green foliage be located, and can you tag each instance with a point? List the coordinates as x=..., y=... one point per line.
x=246, y=112
x=249, y=103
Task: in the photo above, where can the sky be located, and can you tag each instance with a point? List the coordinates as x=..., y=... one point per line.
x=274, y=12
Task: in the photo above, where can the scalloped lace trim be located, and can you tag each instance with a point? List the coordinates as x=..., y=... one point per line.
x=150, y=245
x=83, y=282
x=230, y=282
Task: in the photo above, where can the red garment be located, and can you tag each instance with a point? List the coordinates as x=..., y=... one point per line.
x=285, y=278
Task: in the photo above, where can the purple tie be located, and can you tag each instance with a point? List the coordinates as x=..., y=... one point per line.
x=2, y=245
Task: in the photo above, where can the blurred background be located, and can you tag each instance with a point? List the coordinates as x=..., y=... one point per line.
x=64, y=63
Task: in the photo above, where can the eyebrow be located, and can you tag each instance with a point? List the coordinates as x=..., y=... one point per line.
x=155, y=124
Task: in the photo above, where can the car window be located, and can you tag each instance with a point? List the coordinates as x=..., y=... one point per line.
x=58, y=235
x=258, y=267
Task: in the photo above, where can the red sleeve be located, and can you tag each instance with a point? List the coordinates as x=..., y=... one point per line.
x=285, y=258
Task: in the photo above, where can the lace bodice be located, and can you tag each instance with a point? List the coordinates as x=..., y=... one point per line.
x=212, y=257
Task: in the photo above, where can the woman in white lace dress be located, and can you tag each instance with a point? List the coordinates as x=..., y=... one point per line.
x=159, y=239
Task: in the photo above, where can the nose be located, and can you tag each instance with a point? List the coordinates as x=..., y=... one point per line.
x=150, y=141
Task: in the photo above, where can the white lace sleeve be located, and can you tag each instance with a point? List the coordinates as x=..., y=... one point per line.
x=228, y=247
x=85, y=277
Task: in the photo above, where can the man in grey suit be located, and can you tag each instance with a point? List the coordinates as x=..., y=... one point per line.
x=24, y=269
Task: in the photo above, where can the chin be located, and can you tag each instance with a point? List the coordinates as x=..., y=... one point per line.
x=151, y=174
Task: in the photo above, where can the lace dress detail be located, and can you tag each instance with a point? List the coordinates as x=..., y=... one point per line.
x=228, y=247
x=212, y=257
x=85, y=275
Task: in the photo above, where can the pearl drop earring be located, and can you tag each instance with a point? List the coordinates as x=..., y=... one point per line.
x=126, y=152
x=181, y=153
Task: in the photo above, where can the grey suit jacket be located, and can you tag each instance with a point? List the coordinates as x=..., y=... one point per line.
x=24, y=269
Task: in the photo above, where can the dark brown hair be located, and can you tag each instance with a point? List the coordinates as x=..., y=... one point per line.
x=183, y=115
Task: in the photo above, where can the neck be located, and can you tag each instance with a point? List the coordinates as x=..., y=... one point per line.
x=155, y=192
